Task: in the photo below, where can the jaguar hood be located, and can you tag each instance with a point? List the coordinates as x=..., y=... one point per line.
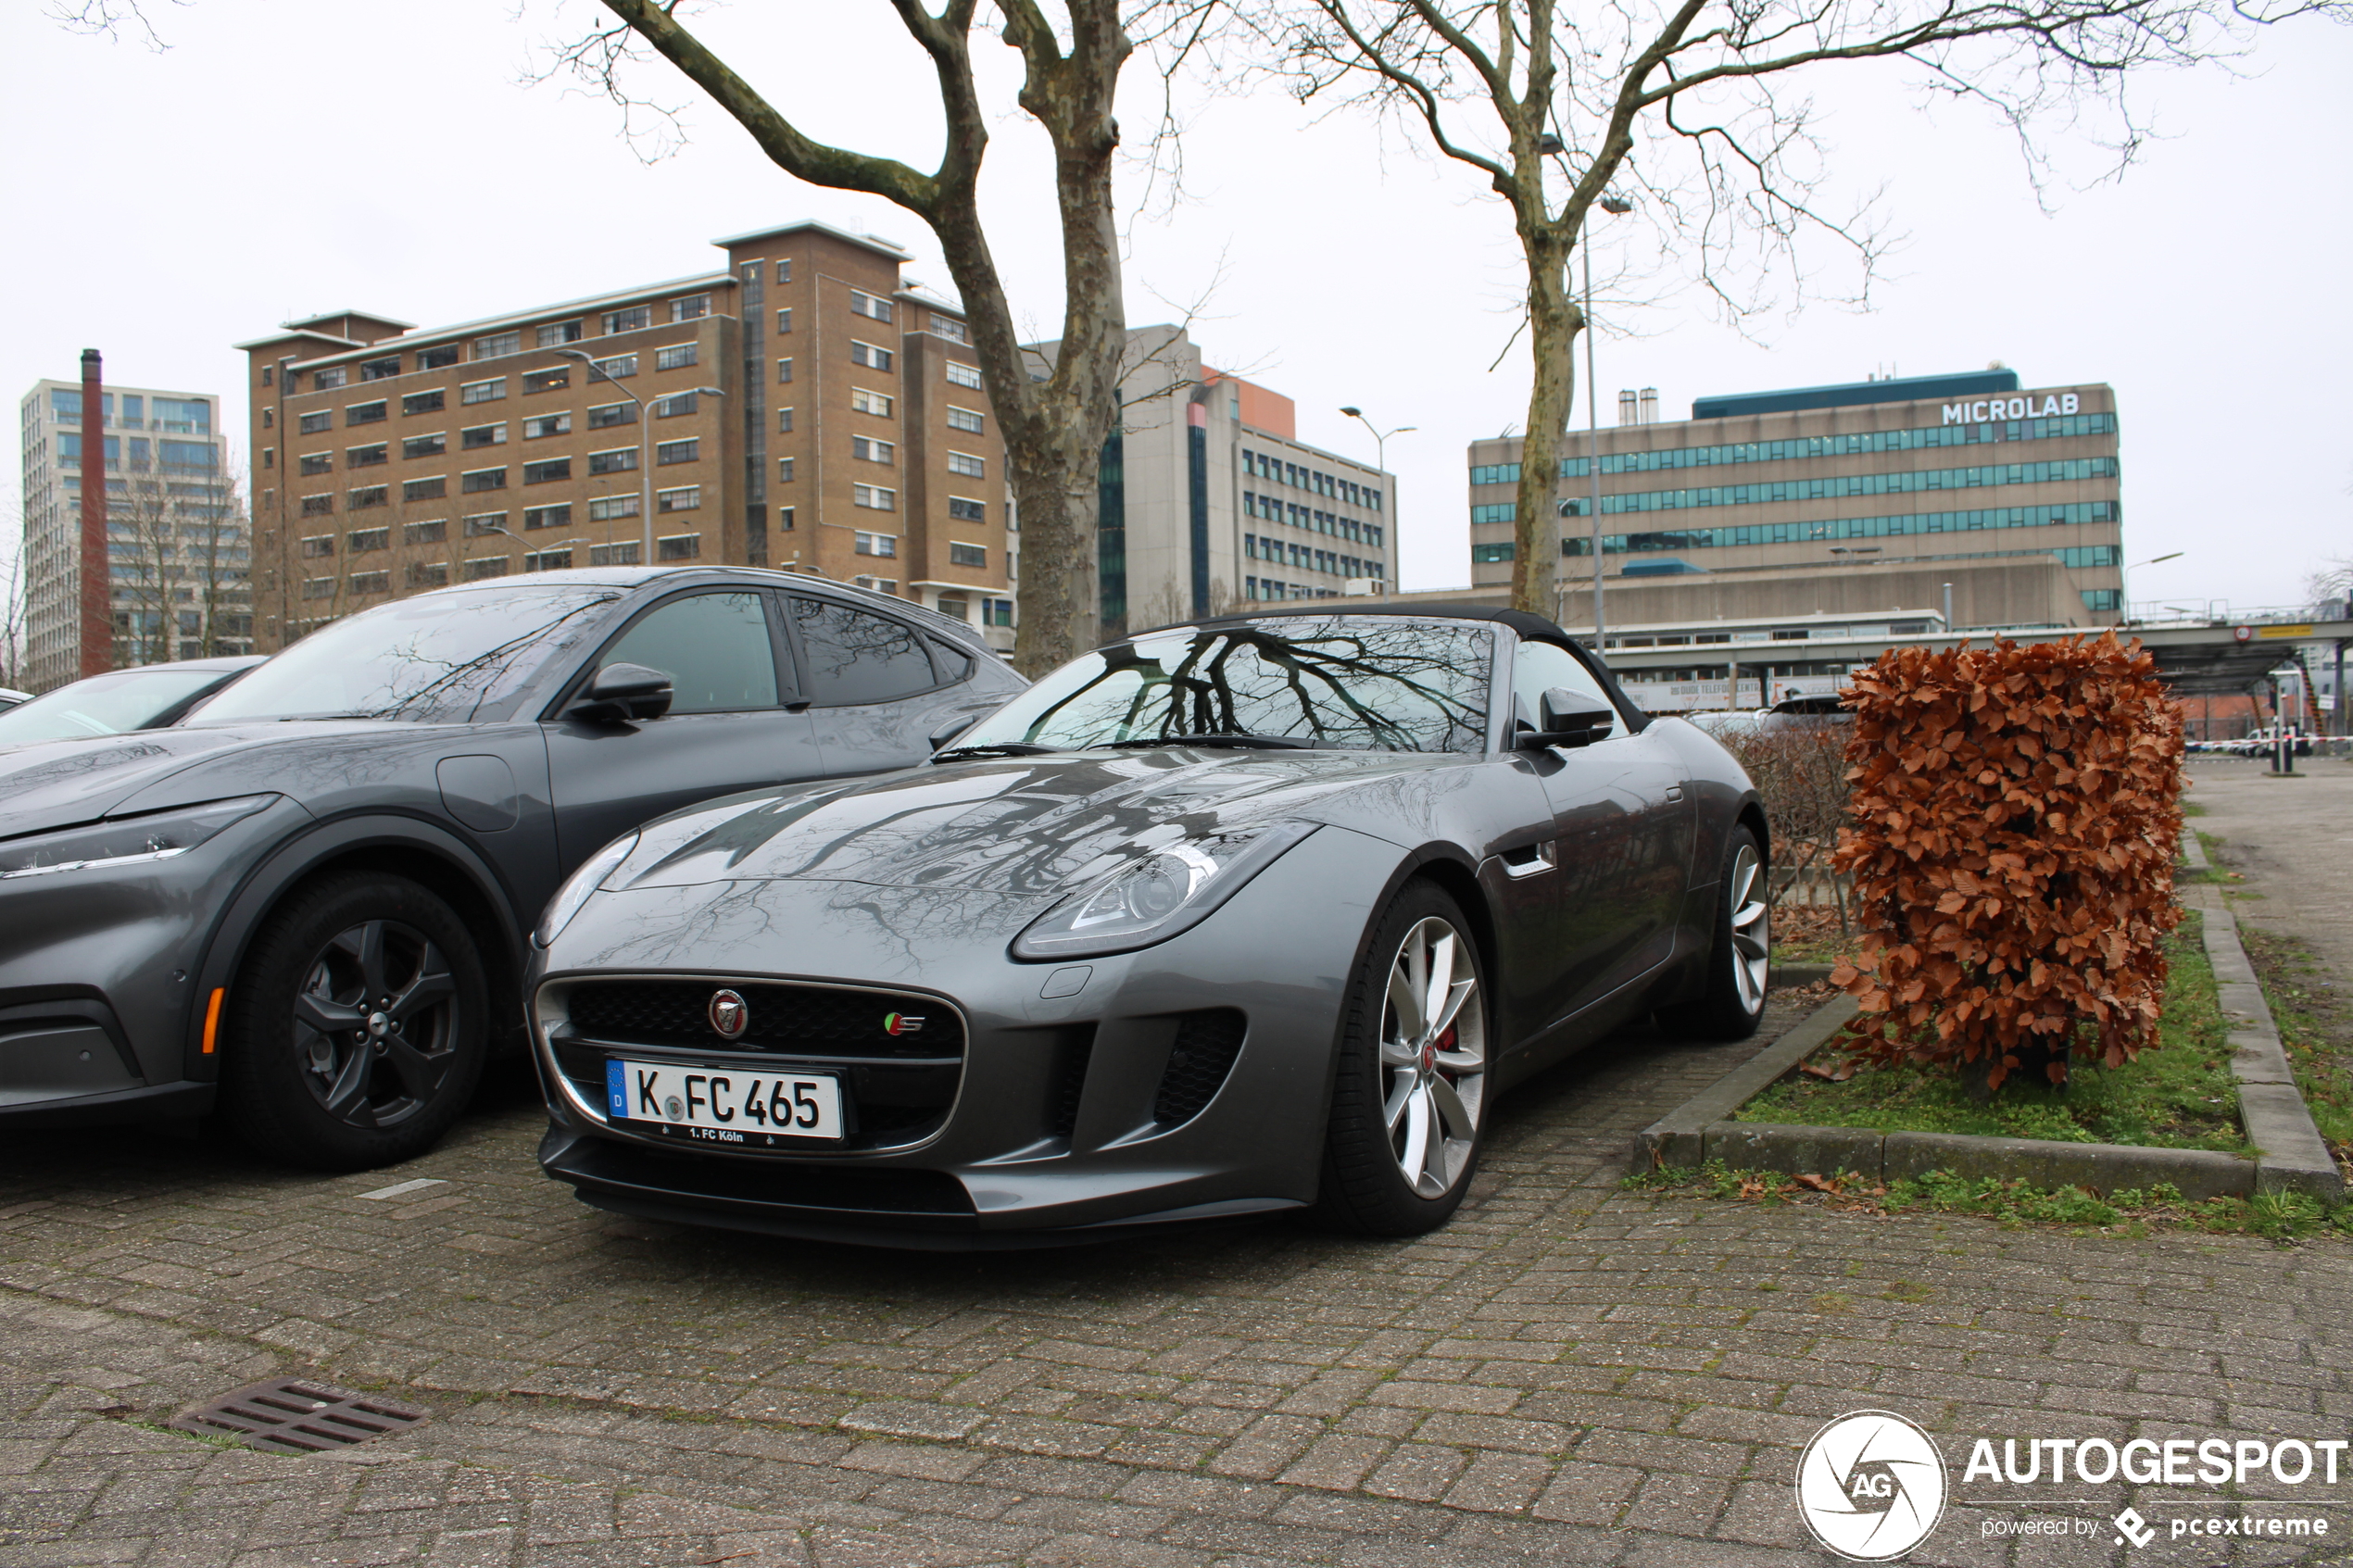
x=1022, y=825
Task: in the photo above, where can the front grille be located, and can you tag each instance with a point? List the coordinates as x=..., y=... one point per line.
x=798, y=1020
x=1207, y=1043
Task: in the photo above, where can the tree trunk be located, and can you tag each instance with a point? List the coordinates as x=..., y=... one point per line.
x=1553, y=321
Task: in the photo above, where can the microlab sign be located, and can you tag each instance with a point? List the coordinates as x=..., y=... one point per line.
x=2027, y=407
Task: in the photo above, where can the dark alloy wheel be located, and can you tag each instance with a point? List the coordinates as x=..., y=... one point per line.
x=358, y=1030
x=1409, y=1102
x=1733, y=1004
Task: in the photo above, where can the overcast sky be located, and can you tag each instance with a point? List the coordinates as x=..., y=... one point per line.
x=280, y=159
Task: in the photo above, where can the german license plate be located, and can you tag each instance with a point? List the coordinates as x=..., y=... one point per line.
x=724, y=1105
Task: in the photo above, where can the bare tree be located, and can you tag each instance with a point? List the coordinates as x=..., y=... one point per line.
x=1053, y=427
x=15, y=655
x=1689, y=106
x=181, y=564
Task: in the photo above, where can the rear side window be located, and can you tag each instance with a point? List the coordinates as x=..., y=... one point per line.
x=954, y=663
x=855, y=656
x=715, y=647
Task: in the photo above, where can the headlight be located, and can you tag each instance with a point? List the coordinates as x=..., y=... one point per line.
x=581, y=883
x=152, y=835
x=1155, y=896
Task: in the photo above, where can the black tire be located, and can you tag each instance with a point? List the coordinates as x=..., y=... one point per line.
x=1733, y=1003
x=1378, y=1098
x=385, y=1084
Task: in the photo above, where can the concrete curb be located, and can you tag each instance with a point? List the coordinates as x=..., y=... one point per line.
x=1800, y=973
x=2278, y=1123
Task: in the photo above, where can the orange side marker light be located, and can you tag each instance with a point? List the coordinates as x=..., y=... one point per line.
x=212, y=1017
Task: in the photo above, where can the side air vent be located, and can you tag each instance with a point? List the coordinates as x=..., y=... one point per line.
x=1069, y=1082
x=1207, y=1043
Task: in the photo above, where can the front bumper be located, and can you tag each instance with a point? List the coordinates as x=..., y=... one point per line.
x=1181, y=1082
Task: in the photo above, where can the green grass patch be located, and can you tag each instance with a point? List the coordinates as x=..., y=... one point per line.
x=2181, y=1095
x=2192, y=809
x=2315, y=1019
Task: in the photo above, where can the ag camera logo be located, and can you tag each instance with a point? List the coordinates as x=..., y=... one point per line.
x=1871, y=1485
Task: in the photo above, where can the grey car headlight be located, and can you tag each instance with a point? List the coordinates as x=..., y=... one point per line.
x=580, y=884
x=1156, y=895
x=151, y=836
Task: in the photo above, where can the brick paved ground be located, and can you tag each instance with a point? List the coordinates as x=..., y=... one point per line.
x=1570, y=1373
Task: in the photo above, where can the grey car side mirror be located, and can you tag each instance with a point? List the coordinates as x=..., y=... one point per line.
x=1566, y=723
x=622, y=693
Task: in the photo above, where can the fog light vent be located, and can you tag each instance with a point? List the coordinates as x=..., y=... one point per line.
x=294, y=1416
x=1207, y=1043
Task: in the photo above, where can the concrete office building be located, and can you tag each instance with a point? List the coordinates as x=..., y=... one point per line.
x=176, y=558
x=1850, y=500
x=1209, y=498
x=848, y=436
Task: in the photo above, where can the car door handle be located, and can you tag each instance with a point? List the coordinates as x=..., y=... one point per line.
x=1674, y=791
x=1533, y=860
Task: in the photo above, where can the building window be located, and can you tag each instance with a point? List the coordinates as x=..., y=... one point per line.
x=482, y=391
x=483, y=435
x=366, y=456
x=966, y=464
x=967, y=510
x=677, y=357
x=869, y=354
x=313, y=424
x=871, y=451
x=966, y=419
x=269, y=454
x=879, y=584
x=783, y=470
x=559, y=516
x=424, y=402
x=605, y=416
x=431, y=446
x=428, y=574
x=426, y=489
x=678, y=546
x=866, y=402
x=269, y=375
x=783, y=371
x=435, y=532
x=547, y=425
x=873, y=497
x=783, y=421
x=869, y=306
x=497, y=345
x=620, y=460
x=547, y=560
x=546, y=471
x=380, y=370
x=694, y=307
x=327, y=380
x=557, y=334
x=996, y=612
x=613, y=555
x=318, y=506
x=974, y=556
x=635, y=319
x=618, y=367
x=482, y=525
x=1488, y=555
x=784, y=268
x=677, y=402
x=545, y=381
x=950, y=328
x=605, y=508
x=962, y=375
x=439, y=358
x=953, y=608
x=885, y=545
x=784, y=320
x=317, y=546
x=685, y=498
x=489, y=566
x=318, y=462
x=783, y=520
x=365, y=413
x=482, y=479
x=363, y=541
x=318, y=587
x=686, y=451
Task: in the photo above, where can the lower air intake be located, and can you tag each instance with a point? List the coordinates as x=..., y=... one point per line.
x=1207, y=1043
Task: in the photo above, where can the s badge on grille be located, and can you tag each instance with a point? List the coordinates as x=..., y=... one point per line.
x=900, y=1023
x=729, y=1015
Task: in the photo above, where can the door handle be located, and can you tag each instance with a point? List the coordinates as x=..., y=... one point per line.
x=1674, y=791
x=1538, y=859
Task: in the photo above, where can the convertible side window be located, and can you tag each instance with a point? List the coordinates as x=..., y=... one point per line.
x=855, y=656
x=715, y=647
x=1536, y=668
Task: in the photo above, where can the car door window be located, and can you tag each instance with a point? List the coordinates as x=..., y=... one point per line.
x=855, y=656
x=1537, y=668
x=715, y=647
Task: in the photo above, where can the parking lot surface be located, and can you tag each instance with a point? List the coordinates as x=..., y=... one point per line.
x=1570, y=1373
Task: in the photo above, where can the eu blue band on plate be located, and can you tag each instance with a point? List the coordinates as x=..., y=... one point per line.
x=616, y=1087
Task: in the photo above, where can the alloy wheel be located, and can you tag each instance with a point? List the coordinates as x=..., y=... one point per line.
x=1752, y=936
x=375, y=1023
x=1433, y=1054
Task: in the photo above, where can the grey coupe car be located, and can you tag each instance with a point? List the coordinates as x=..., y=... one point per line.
x=145, y=696
x=306, y=906
x=1251, y=915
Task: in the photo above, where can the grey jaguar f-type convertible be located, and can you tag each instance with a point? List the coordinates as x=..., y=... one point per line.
x=1246, y=915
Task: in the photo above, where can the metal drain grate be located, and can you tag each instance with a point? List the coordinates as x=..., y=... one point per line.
x=291, y=1416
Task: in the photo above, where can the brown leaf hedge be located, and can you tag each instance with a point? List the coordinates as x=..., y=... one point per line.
x=2014, y=825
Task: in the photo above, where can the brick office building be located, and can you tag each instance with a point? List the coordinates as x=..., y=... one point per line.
x=802, y=407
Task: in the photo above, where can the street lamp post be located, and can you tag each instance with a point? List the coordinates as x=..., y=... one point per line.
x=645, y=447
x=2127, y=617
x=1381, y=459
x=1612, y=205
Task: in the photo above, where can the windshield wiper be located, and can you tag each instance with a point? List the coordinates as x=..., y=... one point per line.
x=997, y=748
x=1241, y=739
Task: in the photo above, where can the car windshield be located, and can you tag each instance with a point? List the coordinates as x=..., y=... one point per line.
x=1356, y=682
x=438, y=659
x=105, y=705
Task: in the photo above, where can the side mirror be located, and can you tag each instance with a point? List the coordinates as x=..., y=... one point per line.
x=1568, y=722
x=622, y=693
x=950, y=731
